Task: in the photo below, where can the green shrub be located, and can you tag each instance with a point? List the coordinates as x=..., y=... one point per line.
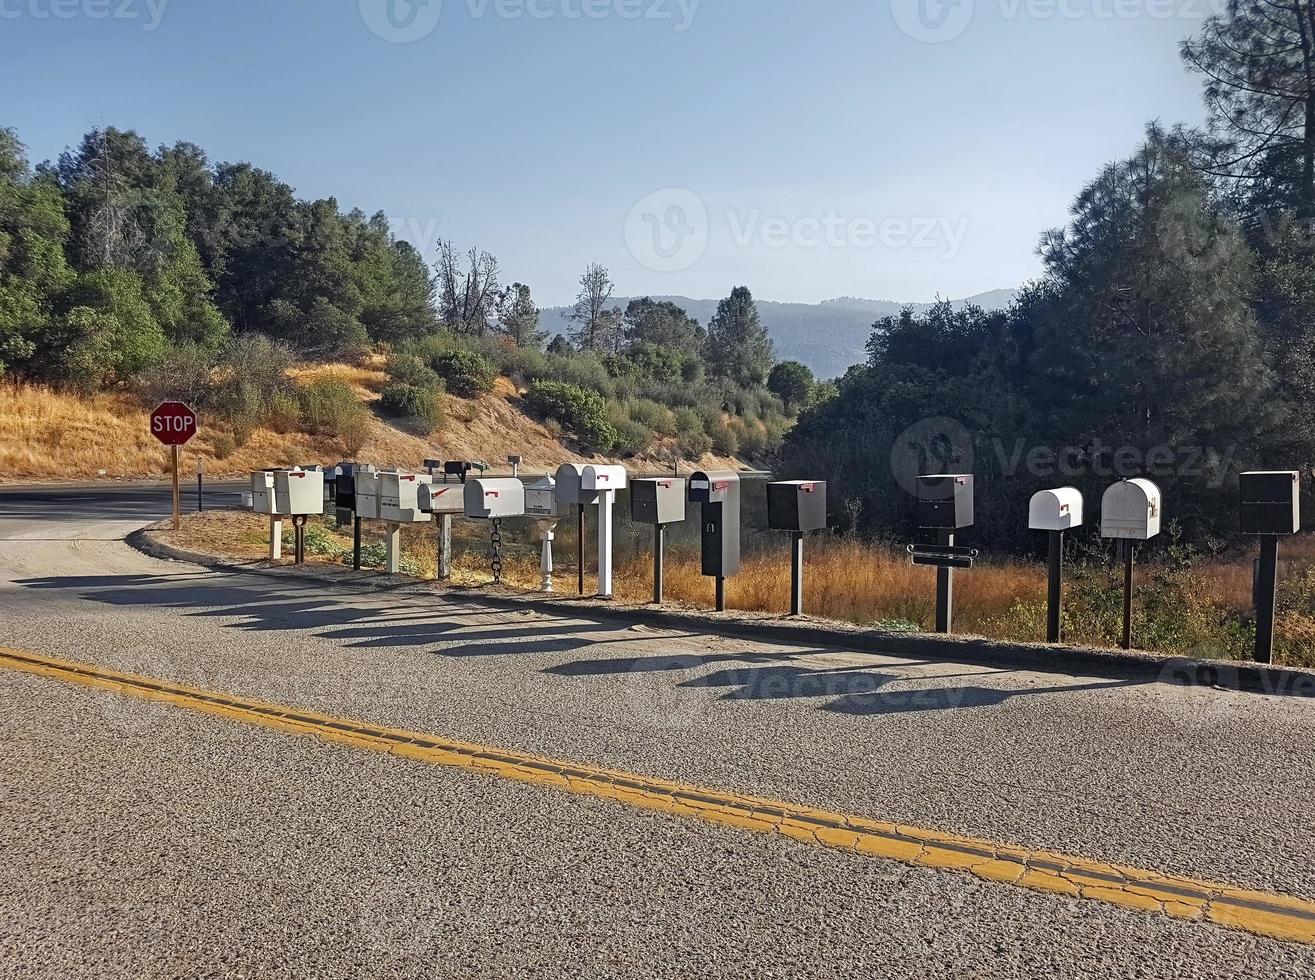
x=724, y=441
x=184, y=375
x=632, y=438
x=224, y=445
x=467, y=374
x=284, y=413
x=408, y=369
x=420, y=405
x=582, y=411
x=652, y=416
x=329, y=407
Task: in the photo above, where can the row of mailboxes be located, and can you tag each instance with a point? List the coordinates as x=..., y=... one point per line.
x=297, y=492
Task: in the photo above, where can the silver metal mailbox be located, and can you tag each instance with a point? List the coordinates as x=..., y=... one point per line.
x=659, y=500
x=1056, y=510
x=299, y=492
x=368, y=489
x=399, y=497
x=441, y=498
x=495, y=499
x=262, y=492
x=570, y=491
x=599, y=479
x=541, y=501
x=1131, y=511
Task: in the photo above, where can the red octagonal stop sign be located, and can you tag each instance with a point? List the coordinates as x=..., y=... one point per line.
x=173, y=423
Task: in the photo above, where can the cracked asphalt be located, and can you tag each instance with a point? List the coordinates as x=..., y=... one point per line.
x=143, y=840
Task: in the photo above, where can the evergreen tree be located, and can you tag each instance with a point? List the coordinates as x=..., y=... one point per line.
x=599, y=324
x=738, y=346
x=520, y=319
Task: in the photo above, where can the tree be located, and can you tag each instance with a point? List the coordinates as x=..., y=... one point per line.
x=468, y=300
x=791, y=382
x=1258, y=61
x=599, y=325
x=738, y=346
x=520, y=319
x=663, y=324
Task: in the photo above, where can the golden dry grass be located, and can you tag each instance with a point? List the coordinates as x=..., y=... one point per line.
x=365, y=378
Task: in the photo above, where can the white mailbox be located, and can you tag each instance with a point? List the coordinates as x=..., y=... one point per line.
x=600, y=479
x=541, y=501
x=1056, y=510
x=368, y=487
x=570, y=486
x=1131, y=511
x=298, y=492
x=399, y=497
x=262, y=492
x=442, y=498
x=495, y=499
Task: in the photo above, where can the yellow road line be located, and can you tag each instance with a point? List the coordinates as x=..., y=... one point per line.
x=1264, y=913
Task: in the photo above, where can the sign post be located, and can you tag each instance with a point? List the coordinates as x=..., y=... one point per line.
x=174, y=424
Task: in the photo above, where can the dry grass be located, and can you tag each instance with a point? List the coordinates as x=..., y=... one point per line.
x=366, y=378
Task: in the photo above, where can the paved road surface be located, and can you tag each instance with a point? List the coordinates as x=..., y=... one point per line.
x=141, y=839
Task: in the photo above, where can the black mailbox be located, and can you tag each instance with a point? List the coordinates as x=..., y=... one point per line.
x=657, y=501
x=344, y=484
x=796, y=505
x=945, y=501
x=458, y=468
x=719, y=493
x=1271, y=502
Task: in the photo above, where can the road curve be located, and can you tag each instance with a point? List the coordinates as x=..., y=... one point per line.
x=143, y=839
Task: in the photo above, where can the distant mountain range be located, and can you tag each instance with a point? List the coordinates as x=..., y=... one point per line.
x=829, y=336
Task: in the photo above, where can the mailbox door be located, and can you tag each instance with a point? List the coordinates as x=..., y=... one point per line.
x=671, y=501
x=644, y=502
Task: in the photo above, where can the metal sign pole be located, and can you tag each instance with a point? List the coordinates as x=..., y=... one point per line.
x=1129, y=559
x=579, y=551
x=356, y=543
x=945, y=590
x=178, y=507
x=200, y=488
x=1056, y=586
x=797, y=573
x=1266, y=599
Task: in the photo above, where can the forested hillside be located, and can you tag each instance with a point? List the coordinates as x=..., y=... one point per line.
x=161, y=274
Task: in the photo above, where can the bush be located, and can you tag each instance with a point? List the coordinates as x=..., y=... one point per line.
x=467, y=374
x=419, y=405
x=329, y=407
x=724, y=441
x=184, y=375
x=582, y=411
x=408, y=369
x=631, y=439
x=691, y=437
x=284, y=412
x=654, y=417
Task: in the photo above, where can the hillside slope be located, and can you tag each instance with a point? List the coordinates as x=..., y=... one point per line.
x=53, y=435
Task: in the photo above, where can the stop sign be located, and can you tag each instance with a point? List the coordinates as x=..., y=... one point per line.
x=173, y=423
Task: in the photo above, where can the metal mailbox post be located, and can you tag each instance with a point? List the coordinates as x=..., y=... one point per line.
x=1130, y=512
x=344, y=488
x=1055, y=511
x=494, y=501
x=945, y=507
x=265, y=501
x=571, y=494
x=1270, y=507
x=542, y=505
x=604, y=482
x=658, y=502
x=719, y=493
x=442, y=500
x=797, y=506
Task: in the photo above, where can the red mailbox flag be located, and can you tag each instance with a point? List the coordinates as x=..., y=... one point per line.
x=173, y=423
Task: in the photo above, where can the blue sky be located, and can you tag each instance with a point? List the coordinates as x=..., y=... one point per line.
x=875, y=148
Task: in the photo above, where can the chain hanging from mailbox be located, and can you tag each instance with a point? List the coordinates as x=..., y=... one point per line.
x=497, y=552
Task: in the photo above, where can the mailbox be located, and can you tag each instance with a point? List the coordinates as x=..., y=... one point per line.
x=1056, y=510
x=399, y=497
x=262, y=492
x=945, y=501
x=495, y=499
x=441, y=498
x=458, y=468
x=299, y=492
x=719, y=493
x=344, y=484
x=541, y=501
x=1130, y=511
x=600, y=479
x=657, y=501
x=796, y=505
x=368, y=488
x=1271, y=502
x=570, y=491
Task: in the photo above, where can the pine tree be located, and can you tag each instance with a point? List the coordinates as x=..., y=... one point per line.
x=738, y=346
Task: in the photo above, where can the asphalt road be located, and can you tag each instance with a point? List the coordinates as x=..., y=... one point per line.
x=138, y=839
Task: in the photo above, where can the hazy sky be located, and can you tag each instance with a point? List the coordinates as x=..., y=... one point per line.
x=891, y=149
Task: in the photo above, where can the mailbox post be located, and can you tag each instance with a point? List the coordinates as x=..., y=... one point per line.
x=299, y=494
x=442, y=499
x=263, y=501
x=1055, y=511
x=945, y=506
x=399, y=503
x=571, y=494
x=344, y=487
x=1270, y=508
x=797, y=506
x=494, y=501
x=718, y=491
x=658, y=502
x=604, y=482
x=541, y=504
x=1130, y=512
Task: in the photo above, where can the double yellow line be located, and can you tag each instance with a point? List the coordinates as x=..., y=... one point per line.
x=1263, y=913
